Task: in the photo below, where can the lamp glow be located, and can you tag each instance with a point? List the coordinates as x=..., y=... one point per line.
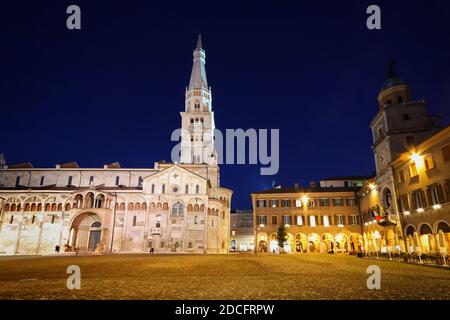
x=420, y=210
x=437, y=206
x=305, y=200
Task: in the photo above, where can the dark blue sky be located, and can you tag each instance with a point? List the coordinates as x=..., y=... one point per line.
x=113, y=91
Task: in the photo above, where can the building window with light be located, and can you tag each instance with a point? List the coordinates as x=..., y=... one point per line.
x=324, y=202
x=413, y=170
x=354, y=220
x=312, y=221
x=287, y=219
x=418, y=199
x=312, y=203
x=428, y=161
x=404, y=202
x=326, y=221
x=339, y=220
x=337, y=202
x=273, y=203
x=435, y=194
x=350, y=202
x=298, y=203
x=262, y=220
x=274, y=220
x=261, y=203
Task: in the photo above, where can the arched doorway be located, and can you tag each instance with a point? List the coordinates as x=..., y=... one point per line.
x=341, y=243
x=301, y=242
x=273, y=244
x=86, y=232
x=327, y=243
x=95, y=233
x=288, y=244
x=356, y=242
x=262, y=242
x=426, y=238
x=313, y=242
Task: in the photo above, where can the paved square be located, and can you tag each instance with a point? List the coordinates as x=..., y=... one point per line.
x=235, y=276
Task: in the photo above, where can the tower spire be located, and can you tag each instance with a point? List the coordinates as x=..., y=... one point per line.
x=199, y=42
x=198, y=75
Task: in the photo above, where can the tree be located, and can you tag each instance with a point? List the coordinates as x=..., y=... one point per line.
x=281, y=237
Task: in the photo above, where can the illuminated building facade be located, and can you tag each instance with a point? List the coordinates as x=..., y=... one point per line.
x=170, y=207
x=406, y=206
x=317, y=219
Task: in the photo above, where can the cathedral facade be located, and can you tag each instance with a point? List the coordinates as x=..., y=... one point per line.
x=172, y=207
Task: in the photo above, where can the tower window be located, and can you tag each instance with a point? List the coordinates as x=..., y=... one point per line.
x=186, y=189
x=140, y=181
x=17, y=181
x=153, y=188
x=117, y=180
x=197, y=189
x=69, y=181
x=91, y=180
x=42, y=181
x=163, y=188
x=134, y=221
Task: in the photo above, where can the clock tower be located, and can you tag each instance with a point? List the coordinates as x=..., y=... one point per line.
x=400, y=124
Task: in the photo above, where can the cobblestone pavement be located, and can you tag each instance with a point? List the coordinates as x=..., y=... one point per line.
x=234, y=276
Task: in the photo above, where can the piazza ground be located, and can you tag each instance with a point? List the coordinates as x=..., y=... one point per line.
x=234, y=276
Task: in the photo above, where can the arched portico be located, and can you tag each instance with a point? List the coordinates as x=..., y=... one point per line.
x=86, y=232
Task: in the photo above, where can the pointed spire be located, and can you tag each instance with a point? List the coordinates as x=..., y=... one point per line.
x=198, y=75
x=199, y=42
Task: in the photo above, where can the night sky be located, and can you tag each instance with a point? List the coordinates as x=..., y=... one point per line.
x=113, y=90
